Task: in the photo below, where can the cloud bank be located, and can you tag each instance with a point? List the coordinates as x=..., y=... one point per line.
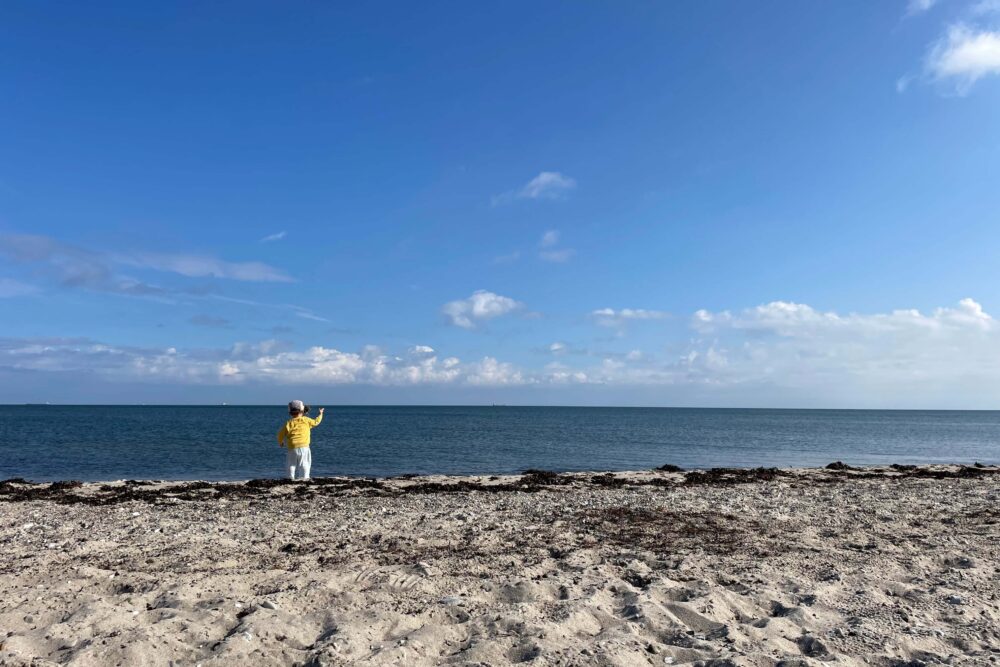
x=779, y=354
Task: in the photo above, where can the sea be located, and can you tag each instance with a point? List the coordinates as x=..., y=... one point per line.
x=89, y=443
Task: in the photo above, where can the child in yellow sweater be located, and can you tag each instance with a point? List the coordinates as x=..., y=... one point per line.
x=296, y=433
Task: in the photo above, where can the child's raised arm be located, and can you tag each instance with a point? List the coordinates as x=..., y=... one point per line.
x=319, y=417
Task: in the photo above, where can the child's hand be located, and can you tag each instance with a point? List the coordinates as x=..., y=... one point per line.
x=321, y=410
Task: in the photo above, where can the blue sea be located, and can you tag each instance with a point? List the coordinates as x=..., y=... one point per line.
x=238, y=442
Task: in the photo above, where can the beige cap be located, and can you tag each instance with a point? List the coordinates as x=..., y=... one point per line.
x=297, y=405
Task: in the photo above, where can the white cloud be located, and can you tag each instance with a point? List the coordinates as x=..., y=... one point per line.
x=274, y=237
x=482, y=305
x=609, y=317
x=547, y=185
x=549, y=239
x=10, y=288
x=557, y=348
x=963, y=56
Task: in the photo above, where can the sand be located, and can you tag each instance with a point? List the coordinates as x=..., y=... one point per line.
x=886, y=567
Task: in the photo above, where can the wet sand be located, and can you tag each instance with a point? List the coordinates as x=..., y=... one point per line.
x=892, y=567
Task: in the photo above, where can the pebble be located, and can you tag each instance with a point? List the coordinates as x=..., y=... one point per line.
x=452, y=601
x=955, y=599
x=267, y=604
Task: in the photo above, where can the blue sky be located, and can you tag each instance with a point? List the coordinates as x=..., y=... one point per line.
x=718, y=203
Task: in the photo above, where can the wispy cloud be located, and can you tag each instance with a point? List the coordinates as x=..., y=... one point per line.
x=309, y=315
x=984, y=7
x=509, y=258
x=963, y=56
x=915, y=7
x=200, y=266
x=609, y=317
x=71, y=266
x=10, y=288
x=74, y=266
x=547, y=185
x=558, y=256
x=549, y=253
x=481, y=306
x=274, y=237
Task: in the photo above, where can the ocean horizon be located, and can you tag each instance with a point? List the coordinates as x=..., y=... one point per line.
x=232, y=442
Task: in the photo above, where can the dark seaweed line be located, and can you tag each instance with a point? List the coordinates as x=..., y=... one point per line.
x=532, y=481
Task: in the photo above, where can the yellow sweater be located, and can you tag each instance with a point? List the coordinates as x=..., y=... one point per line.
x=297, y=430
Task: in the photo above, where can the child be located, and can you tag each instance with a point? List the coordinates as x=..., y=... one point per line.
x=296, y=432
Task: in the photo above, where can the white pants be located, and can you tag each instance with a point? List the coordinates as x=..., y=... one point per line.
x=299, y=459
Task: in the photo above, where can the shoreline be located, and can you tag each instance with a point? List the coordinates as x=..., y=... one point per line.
x=873, y=567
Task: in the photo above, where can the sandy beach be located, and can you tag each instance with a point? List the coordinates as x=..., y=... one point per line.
x=891, y=567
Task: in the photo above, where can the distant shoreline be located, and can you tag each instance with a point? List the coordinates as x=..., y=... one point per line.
x=498, y=406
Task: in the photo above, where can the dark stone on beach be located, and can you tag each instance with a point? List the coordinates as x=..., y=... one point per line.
x=669, y=467
x=903, y=468
x=779, y=610
x=607, y=479
x=811, y=646
x=266, y=483
x=632, y=612
x=677, y=638
x=558, y=553
x=517, y=593
x=638, y=580
x=68, y=484
x=532, y=477
x=839, y=465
